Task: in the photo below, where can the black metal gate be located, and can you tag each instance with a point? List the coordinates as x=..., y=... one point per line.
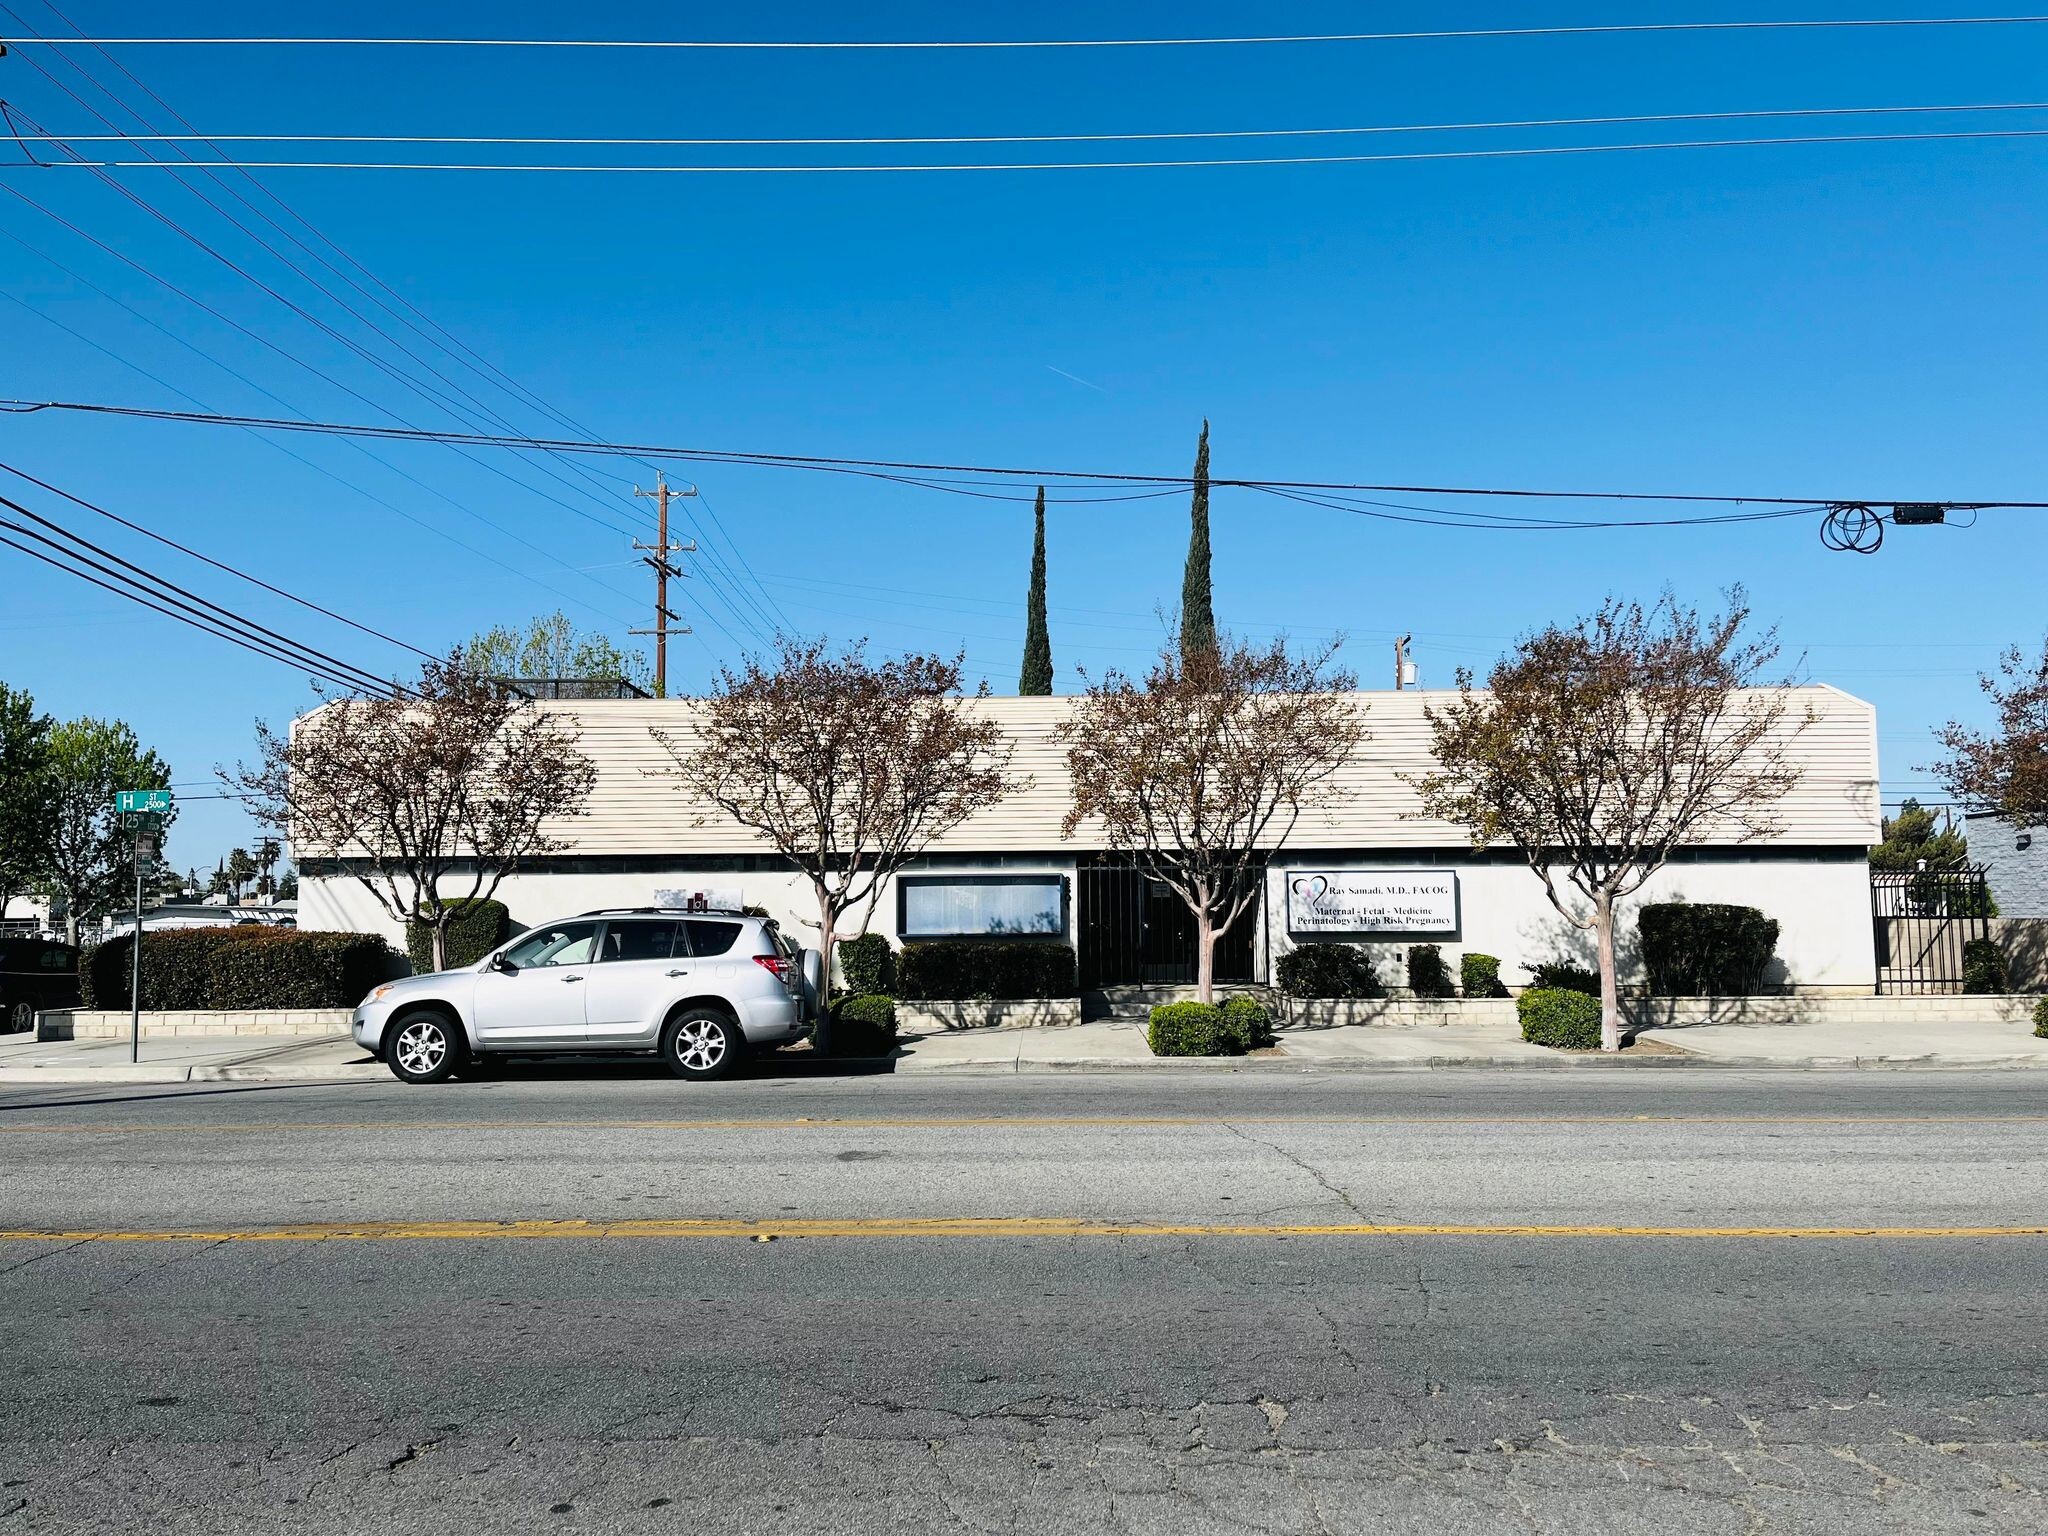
x=1922, y=919
x=1134, y=930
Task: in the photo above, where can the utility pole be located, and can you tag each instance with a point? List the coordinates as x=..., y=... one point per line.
x=1404, y=669
x=657, y=556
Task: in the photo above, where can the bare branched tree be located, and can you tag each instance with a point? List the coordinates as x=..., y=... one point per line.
x=429, y=799
x=2006, y=769
x=848, y=768
x=1204, y=768
x=1600, y=749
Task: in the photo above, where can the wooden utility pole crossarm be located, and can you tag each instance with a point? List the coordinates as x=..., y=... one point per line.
x=657, y=556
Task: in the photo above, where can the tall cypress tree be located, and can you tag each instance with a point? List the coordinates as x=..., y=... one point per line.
x=1037, y=675
x=1197, y=607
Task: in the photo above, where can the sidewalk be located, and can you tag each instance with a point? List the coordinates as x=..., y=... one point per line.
x=1119, y=1045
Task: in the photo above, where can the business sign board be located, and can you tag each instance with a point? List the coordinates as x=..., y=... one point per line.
x=1400, y=901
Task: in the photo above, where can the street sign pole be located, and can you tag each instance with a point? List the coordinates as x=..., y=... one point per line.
x=135, y=972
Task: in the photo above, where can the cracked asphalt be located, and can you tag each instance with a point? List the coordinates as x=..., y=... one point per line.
x=1194, y=1382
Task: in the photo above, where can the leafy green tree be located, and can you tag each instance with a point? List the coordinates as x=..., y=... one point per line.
x=90, y=857
x=26, y=805
x=1197, y=603
x=1036, y=679
x=551, y=646
x=1914, y=839
x=287, y=886
x=268, y=852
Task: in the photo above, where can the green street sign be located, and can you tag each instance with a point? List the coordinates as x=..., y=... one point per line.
x=156, y=800
x=150, y=822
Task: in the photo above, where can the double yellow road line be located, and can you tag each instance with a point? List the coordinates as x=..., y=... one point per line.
x=953, y=1227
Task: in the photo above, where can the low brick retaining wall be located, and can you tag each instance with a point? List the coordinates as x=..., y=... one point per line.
x=913, y=1016
x=102, y=1024
x=1666, y=1012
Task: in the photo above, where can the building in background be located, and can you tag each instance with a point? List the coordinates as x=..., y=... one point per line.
x=1367, y=869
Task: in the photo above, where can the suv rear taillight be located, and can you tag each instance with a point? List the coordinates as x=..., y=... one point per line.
x=774, y=965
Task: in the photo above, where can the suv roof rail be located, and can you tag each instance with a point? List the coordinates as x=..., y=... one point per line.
x=663, y=912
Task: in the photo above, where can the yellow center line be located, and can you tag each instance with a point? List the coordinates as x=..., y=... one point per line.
x=970, y=1122
x=953, y=1227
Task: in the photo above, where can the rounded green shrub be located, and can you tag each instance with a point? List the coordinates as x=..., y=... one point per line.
x=1565, y=976
x=1250, y=1021
x=1479, y=976
x=1984, y=967
x=863, y=1025
x=1328, y=970
x=1191, y=1029
x=476, y=928
x=2041, y=1018
x=1555, y=1016
x=867, y=963
x=1705, y=948
x=1428, y=976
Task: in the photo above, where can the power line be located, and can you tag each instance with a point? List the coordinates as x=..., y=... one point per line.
x=138, y=583
x=1210, y=163
x=185, y=549
x=1804, y=504
x=850, y=45
x=1624, y=120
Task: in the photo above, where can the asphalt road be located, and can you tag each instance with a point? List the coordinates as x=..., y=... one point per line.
x=1346, y=1325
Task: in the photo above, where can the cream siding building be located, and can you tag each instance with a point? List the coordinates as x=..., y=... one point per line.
x=1010, y=867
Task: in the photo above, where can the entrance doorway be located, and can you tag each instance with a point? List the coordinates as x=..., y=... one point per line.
x=1134, y=930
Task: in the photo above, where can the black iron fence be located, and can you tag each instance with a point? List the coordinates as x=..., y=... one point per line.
x=1922, y=919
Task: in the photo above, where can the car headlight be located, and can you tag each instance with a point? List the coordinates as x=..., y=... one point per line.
x=377, y=993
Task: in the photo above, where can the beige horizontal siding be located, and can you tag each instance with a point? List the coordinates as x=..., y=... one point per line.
x=637, y=810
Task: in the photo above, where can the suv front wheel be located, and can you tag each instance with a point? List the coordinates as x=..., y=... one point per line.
x=700, y=1044
x=422, y=1047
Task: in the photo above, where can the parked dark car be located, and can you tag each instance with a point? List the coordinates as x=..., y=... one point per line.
x=35, y=974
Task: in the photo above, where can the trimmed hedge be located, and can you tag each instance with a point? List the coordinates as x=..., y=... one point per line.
x=950, y=970
x=867, y=963
x=246, y=967
x=1984, y=968
x=1560, y=1017
x=1192, y=1029
x=2041, y=1018
x=1428, y=976
x=863, y=1025
x=1328, y=970
x=280, y=968
x=1565, y=976
x=173, y=968
x=1705, y=948
x=1479, y=976
x=477, y=928
x=1250, y=1021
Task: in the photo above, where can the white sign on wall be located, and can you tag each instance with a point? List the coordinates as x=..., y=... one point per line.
x=1372, y=901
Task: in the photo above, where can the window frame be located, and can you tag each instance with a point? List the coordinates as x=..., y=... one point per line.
x=904, y=883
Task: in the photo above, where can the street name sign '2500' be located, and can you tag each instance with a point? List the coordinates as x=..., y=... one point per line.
x=1372, y=901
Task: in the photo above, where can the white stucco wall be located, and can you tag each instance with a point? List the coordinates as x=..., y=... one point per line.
x=1822, y=907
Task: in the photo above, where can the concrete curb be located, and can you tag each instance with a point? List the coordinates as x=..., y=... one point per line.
x=146, y=1072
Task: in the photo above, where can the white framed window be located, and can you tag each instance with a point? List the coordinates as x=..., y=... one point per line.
x=981, y=906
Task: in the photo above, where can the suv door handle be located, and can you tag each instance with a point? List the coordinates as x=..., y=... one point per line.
x=684, y=972
x=572, y=978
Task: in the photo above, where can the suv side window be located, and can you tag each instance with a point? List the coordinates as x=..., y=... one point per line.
x=643, y=941
x=709, y=938
x=555, y=944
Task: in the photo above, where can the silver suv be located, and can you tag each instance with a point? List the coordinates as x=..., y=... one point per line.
x=699, y=987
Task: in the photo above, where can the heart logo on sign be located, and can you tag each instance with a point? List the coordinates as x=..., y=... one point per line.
x=1312, y=886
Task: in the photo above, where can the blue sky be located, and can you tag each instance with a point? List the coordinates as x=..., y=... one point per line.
x=1854, y=320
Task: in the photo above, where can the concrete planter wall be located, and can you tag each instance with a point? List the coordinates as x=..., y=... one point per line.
x=100, y=1024
x=1391, y=1012
x=977, y=1013
x=1667, y=1012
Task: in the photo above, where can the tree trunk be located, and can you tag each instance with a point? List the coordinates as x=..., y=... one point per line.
x=70, y=922
x=440, y=942
x=1205, y=957
x=1610, y=987
x=828, y=915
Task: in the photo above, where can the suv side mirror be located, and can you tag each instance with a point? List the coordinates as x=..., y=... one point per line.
x=503, y=963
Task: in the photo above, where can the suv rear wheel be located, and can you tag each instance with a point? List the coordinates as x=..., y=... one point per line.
x=700, y=1044
x=422, y=1047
